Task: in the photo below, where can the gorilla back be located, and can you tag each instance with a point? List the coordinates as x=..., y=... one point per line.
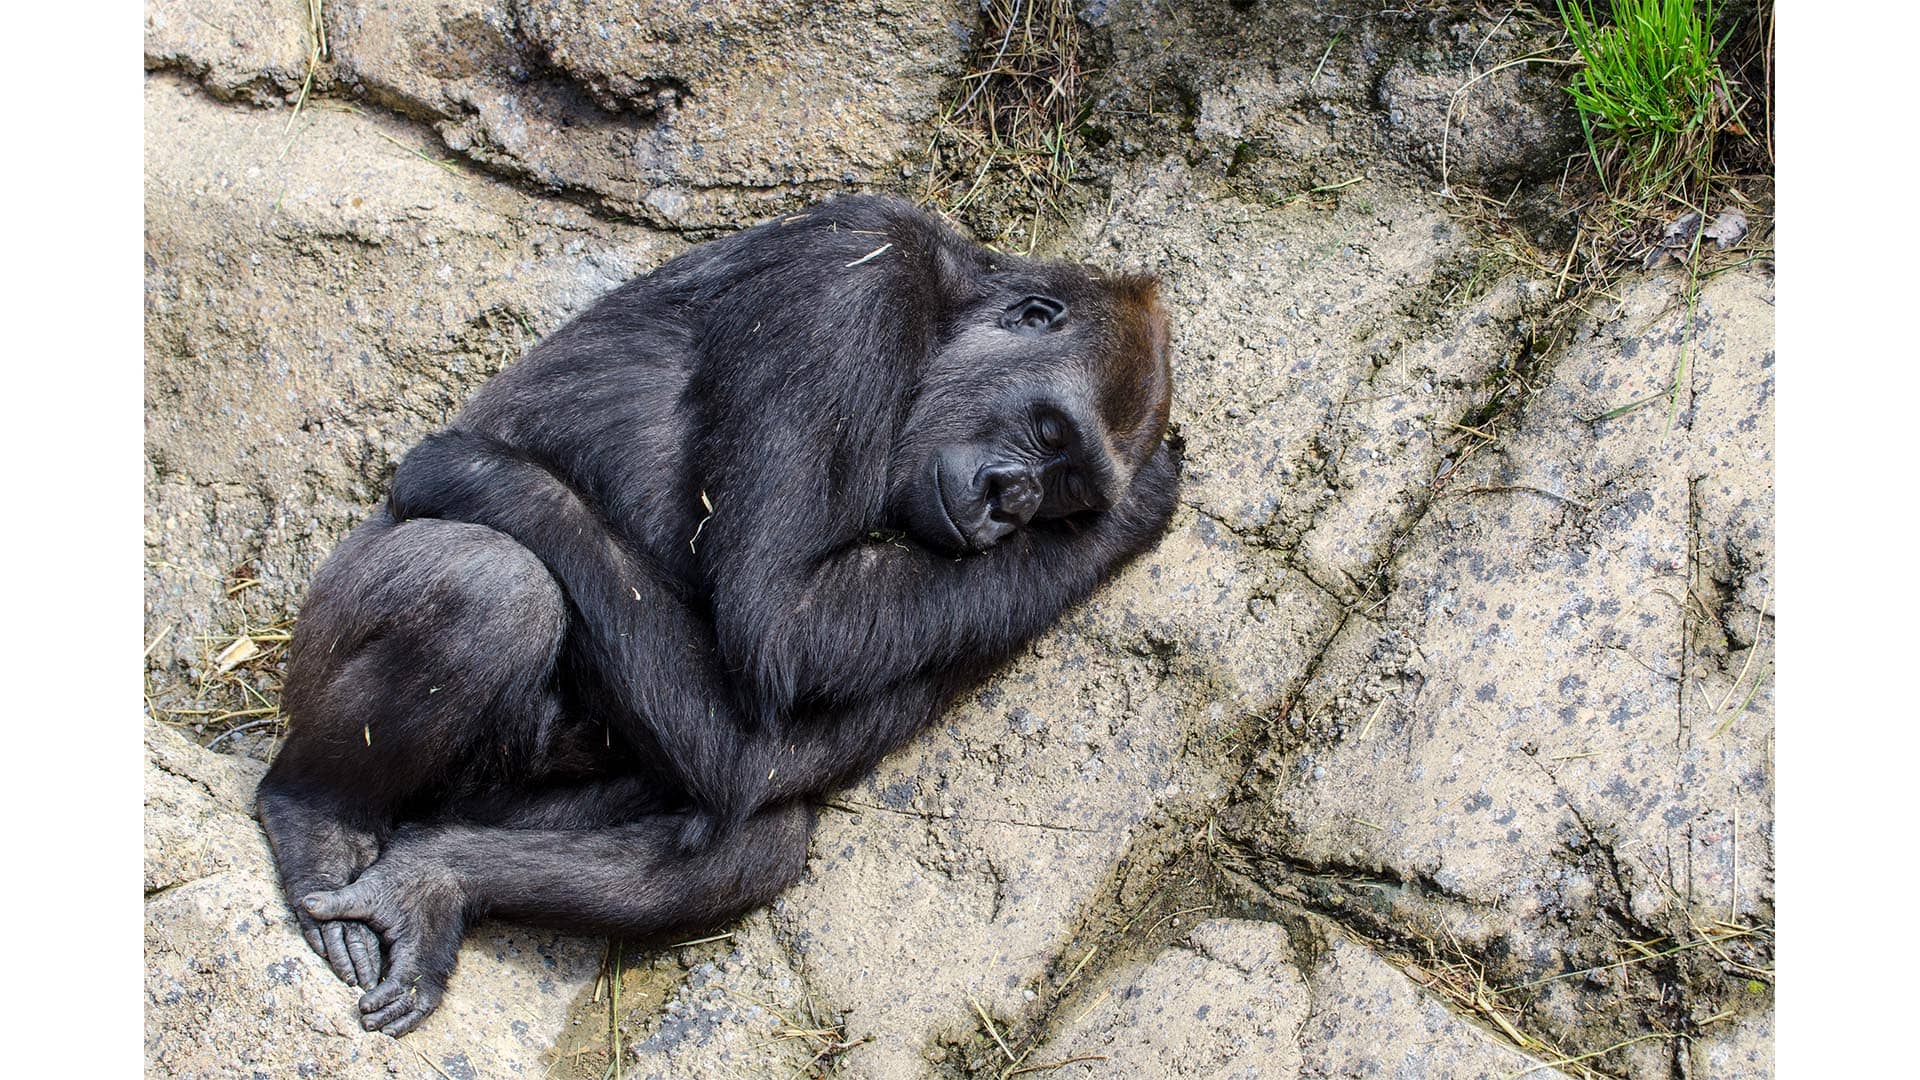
x=710, y=550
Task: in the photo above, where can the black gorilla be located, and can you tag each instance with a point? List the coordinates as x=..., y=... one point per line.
x=715, y=547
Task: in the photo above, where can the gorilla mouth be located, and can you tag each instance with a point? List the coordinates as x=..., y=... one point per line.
x=946, y=515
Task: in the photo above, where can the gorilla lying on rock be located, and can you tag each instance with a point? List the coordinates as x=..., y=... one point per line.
x=715, y=547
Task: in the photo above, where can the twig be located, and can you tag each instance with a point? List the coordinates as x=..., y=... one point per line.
x=871, y=255
x=613, y=1006
x=1321, y=190
x=832, y=1047
x=235, y=714
x=1752, y=692
x=430, y=1063
x=447, y=165
x=1733, y=902
x=1323, y=59
x=991, y=1030
x=317, y=27
x=1446, y=122
x=1006, y=39
x=1375, y=715
x=157, y=639
x=1623, y=963
x=1759, y=629
x=1075, y=973
x=232, y=731
x=1594, y=1053
x=1496, y=488
x=1058, y=1064
x=1092, y=1005
x=1177, y=914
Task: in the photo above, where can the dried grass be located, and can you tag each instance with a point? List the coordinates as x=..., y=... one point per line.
x=1008, y=141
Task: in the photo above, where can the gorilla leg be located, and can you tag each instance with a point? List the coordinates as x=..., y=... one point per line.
x=423, y=660
x=631, y=880
x=651, y=647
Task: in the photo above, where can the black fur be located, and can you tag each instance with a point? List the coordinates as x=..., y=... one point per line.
x=712, y=549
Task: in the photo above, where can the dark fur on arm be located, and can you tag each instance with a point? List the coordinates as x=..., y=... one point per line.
x=851, y=624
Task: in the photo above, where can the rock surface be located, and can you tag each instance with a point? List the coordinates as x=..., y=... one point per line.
x=1234, y=999
x=684, y=114
x=1438, y=686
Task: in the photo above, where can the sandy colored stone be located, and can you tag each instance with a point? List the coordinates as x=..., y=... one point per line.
x=716, y=1009
x=1542, y=720
x=191, y=827
x=1738, y=1051
x=1224, y=1004
x=1464, y=104
x=1234, y=1001
x=316, y=302
x=683, y=114
x=1528, y=656
x=248, y=50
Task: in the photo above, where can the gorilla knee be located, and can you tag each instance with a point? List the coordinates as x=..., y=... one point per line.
x=495, y=603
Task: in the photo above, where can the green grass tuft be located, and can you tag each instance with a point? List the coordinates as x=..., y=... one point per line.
x=1651, y=96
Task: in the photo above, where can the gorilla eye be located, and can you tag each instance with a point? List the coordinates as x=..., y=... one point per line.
x=1053, y=434
x=1076, y=488
x=1033, y=314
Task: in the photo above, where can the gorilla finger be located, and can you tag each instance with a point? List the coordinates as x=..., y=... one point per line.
x=408, y=1022
x=310, y=930
x=384, y=995
x=363, y=948
x=348, y=902
x=337, y=956
x=395, y=1013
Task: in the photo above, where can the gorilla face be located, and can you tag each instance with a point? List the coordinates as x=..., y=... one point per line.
x=1046, y=399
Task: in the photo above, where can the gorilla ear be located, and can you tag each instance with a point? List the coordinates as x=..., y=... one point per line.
x=1033, y=315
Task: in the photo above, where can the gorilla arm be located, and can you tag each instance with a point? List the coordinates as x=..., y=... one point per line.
x=848, y=626
x=868, y=627
x=655, y=653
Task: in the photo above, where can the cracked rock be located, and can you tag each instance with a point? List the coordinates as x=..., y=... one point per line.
x=1235, y=1000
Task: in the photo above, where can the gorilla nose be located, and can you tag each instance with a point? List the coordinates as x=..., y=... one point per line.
x=1012, y=492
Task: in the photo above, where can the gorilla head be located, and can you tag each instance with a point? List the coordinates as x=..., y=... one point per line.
x=1049, y=392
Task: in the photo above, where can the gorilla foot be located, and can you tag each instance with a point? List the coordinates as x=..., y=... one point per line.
x=393, y=1008
x=319, y=848
x=349, y=947
x=419, y=916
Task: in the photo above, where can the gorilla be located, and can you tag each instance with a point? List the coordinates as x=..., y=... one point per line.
x=711, y=550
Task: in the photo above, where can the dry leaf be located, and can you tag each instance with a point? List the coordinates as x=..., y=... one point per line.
x=241, y=651
x=1728, y=229
x=1676, y=241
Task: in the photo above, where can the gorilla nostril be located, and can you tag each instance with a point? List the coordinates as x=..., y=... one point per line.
x=1012, y=493
x=1021, y=503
